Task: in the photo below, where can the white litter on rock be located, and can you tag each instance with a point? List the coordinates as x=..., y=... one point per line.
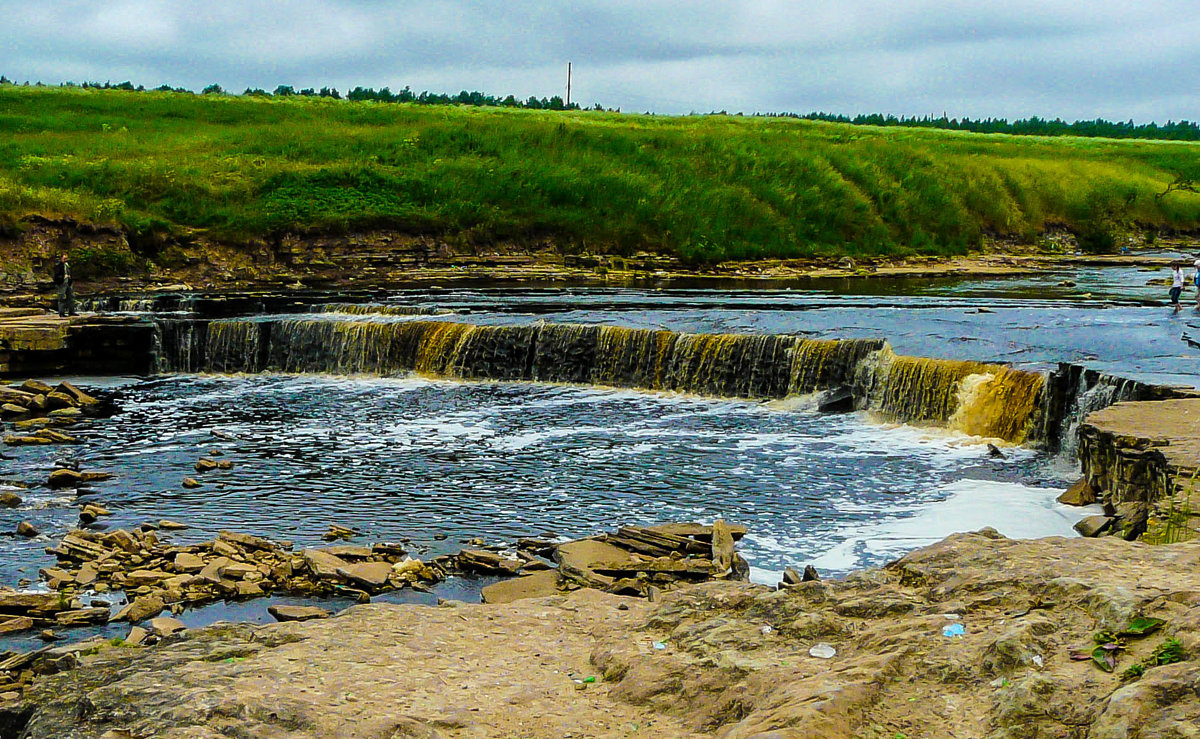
x=822, y=651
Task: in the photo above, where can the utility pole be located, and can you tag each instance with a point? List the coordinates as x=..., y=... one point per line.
x=568, y=84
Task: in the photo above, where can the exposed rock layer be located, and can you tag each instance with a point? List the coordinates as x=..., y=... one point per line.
x=731, y=660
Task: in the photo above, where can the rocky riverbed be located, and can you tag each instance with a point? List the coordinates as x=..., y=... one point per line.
x=977, y=636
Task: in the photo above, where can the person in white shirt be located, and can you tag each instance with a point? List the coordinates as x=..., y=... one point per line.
x=1196, y=280
x=1176, y=285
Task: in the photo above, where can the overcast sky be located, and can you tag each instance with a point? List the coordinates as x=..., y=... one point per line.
x=1012, y=58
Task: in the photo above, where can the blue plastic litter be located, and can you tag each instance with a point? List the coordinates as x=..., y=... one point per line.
x=954, y=630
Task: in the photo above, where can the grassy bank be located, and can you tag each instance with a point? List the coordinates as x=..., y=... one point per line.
x=703, y=187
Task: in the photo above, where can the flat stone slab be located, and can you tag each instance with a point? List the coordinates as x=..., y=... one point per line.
x=297, y=613
x=537, y=585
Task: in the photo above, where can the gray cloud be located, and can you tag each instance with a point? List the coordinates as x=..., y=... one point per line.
x=1016, y=58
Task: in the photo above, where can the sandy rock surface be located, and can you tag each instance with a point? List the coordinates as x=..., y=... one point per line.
x=732, y=660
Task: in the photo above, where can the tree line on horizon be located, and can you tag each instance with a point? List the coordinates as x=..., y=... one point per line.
x=1033, y=126
x=1182, y=130
x=358, y=94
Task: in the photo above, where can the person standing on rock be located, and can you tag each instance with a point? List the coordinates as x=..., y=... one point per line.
x=1176, y=286
x=66, y=287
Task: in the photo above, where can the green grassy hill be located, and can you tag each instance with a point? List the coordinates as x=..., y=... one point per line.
x=702, y=187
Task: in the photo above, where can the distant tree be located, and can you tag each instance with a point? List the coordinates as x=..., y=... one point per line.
x=4, y=80
x=256, y=92
x=1180, y=184
x=284, y=91
x=213, y=89
x=308, y=92
x=330, y=92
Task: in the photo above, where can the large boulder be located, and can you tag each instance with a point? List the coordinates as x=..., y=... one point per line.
x=1079, y=494
x=140, y=609
x=322, y=564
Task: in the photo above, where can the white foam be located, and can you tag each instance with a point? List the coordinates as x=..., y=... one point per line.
x=1015, y=510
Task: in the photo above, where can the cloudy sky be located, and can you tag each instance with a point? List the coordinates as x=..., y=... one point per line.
x=1012, y=58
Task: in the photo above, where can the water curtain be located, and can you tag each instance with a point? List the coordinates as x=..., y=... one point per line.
x=976, y=398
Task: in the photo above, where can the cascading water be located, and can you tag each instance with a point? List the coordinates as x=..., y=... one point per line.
x=1092, y=393
x=975, y=398
x=373, y=309
x=978, y=399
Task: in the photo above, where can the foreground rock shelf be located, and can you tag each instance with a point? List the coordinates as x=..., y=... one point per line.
x=724, y=659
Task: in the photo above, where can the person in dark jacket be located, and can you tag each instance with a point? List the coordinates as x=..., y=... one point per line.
x=66, y=287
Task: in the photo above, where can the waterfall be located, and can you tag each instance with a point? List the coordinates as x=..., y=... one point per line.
x=1093, y=391
x=818, y=364
x=976, y=398
x=179, y=345
x=973, y=397
x=371, y=309
x=234, y=346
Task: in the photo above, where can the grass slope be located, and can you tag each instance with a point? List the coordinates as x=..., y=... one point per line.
x=701, y=187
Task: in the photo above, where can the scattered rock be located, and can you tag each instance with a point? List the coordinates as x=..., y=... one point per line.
x=1093, y=526
x=370, y=575
x=82, y=616
x=323, y=564
x=78, y=395
x=190, y=482
x=488, y=563
x=187, y=562
x=165, y=626
x=36, y=387
x=10, y=500
x=722, y=547
x=27, y=529
x=169, y=525
x=65, y=478
x=205, y=465
x=59, y=400
x=336, y=532
x=137, y=636
x=140, y=609
x=14, y=625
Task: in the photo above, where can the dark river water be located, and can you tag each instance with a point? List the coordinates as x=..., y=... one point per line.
x=416, y=460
